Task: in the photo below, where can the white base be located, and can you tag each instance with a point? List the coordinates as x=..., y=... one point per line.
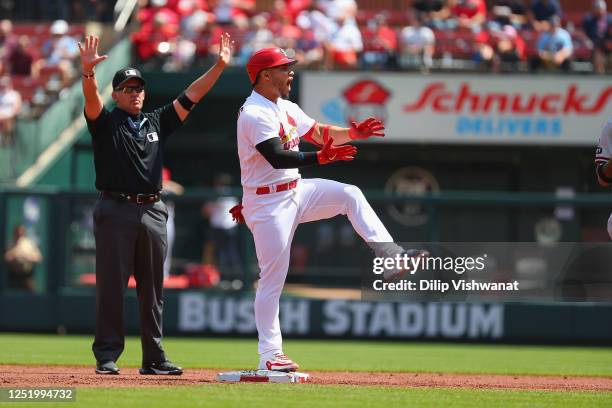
x=263, y=376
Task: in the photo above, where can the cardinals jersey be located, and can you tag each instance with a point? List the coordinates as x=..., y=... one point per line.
x=604, y=146
x=261, y=119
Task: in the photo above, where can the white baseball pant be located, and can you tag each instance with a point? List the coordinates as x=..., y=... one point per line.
x=273, y=218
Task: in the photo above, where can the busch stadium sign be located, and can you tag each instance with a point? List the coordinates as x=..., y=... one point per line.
x=464, y=108
x=345, y=318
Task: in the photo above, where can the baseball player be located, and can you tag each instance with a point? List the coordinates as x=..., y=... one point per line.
x=603, y=155
x=275, y=198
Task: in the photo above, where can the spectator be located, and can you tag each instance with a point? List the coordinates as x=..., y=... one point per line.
x=8, y=42
x=158, y=31
x=345, y=45
x=189, y=44
x=22, y=59
x=309, y=50
x=60, y=50
x=286, y=33
x=92, y=10
x=435, y=13
x=10, y=107
x=21, y=258
x=500, y=48
x=336, y=9
x=509, y=12
x=293, y=8
x=597, y=26
x=259, y=36
x=554, y=47
x=541, y=11
x=470, y=14
x=417, y=43
x=317, y=29
x=236, y=12
x=314, y=19
x=380, y=44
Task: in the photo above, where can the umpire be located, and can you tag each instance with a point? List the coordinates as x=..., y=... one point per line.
x=129, y=218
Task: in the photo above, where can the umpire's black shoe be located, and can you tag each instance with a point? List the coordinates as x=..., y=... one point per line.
x=108, y=367
x=163, y=368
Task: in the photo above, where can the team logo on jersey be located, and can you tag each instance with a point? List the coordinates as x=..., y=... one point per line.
x=289, y=139
x=152, y=137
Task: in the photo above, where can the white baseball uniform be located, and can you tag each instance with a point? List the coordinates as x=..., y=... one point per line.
x=274, y=217
x=603, y=154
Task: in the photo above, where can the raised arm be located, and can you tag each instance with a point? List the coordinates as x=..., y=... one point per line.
x=367, y=128
x=89, y=59
x=185, y=102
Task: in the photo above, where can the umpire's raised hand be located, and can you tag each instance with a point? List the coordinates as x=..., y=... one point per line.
x=89, y=59
x=225, y=49
x=89, y=54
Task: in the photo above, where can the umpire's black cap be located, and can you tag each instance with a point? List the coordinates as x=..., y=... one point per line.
x=124, y=74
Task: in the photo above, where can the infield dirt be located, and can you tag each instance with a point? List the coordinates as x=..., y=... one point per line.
x=70, y=376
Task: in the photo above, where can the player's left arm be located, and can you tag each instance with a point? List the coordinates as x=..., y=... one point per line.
x=187, y=100
x=358, y=131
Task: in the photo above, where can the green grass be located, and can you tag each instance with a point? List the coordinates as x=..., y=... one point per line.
x=326, y=355
x=315, y=396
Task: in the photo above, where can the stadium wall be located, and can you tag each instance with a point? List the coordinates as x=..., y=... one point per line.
x=206, y=314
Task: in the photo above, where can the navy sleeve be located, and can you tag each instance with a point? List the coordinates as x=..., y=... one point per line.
x=99, y=125
x=279, y=158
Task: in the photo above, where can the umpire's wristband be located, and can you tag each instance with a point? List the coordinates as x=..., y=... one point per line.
x=185, y=102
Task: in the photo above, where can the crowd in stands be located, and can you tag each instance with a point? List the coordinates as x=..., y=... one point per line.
x=334, y=34
x=36, y=62
x=74, y=11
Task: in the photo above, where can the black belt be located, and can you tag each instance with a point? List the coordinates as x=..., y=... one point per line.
x=136, y=198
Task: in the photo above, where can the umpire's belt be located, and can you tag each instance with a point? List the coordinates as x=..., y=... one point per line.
x=136, y=198
x=277, y=188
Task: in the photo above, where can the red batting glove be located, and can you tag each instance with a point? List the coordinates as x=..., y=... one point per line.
x=236, y=212
x=330, y=153
x=367, y=128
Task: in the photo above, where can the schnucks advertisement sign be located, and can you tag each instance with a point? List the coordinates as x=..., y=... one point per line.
x=568, y=110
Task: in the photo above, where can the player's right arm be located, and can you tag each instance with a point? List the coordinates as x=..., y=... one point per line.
x=262, y=132
x=89, y=59
x=603, y=168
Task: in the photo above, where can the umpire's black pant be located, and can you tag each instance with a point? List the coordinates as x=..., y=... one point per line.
x=130, y=238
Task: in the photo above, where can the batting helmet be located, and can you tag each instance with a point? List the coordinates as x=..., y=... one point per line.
x=266, y=58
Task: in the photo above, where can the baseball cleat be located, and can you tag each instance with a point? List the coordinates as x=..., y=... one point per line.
x=108, y=367
x=163, y=368
x=277, y=362
x=413, y=255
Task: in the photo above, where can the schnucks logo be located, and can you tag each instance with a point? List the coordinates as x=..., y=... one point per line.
x=437, y=97
x=366, y=98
